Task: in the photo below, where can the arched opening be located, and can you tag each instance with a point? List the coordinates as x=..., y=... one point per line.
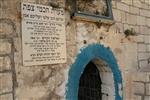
x=111, y=78
x=90, y=83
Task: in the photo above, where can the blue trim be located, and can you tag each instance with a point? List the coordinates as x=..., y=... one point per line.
x=86, y=55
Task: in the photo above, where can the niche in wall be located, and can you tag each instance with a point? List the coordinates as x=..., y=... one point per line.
x=93, y=10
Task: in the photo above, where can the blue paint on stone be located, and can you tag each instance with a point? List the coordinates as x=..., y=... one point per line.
x=87, y=54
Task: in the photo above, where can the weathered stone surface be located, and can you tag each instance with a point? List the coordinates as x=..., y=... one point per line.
x=148, y=89
x=123, y=7
x=5, y=63
x=6, y=97
x=113, y=4
x=131, y=19
x=137, y=97
x=7, y=27
x=140, y=38
x=141, y=47
x=140, y=76
x=137, y=3
x=143, y=64
x=144, y=30
x=144, y=13
x=117, y=14
x=134, y=10
x=123, y=17
x=138, y=88
x=5, y=46
x=143, y=56
x=129, y=2
x=148, y=22
x=141, y=20
x=148, y=48
x=147, y=39
x=6, y=82
x=146, y=97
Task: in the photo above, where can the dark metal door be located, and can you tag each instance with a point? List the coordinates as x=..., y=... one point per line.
x=90, y=84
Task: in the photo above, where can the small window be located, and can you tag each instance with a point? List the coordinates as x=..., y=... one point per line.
x=93, y=10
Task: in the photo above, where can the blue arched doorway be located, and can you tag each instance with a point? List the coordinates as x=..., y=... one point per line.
x=87, y=54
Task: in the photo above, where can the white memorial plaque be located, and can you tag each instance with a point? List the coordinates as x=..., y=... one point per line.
x=43, y=35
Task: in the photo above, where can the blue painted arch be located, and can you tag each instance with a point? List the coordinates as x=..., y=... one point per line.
x=87, y=54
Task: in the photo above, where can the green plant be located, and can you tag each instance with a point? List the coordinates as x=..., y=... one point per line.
x=130, y=32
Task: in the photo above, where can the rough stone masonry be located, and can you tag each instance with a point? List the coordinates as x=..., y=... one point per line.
x=48, y=82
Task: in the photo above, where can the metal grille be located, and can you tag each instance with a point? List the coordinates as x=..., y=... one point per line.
x=90, y=84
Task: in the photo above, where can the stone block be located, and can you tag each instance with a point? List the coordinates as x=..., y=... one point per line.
x=123, y=17
x=113, y=4
x=117, y=15
x=6, y=82
x=142, y=47
x=141, y=20
x=107, y=78
x=130, y=48
x=130, y=61
x=143, y=56
x=129, y=2
x=7, y=27
x=145, y=13
x=138, y=88
x=148, y=22
x=137, y=97
x=5, y=46
x=104, y=97
x=140, y=76
x=145, y=6
x=144, y=30
x=5, y=63
x=134, y=10
x=106, y=89
x=148, y=89
x=147, y=98
x=148, y=48
x=122, y=6
x=139, y=38
x=143, y=64
x=137, y=3
x=6, y=97
x=110, y=97
x=131, y=19
x=119, y=27
x=147, y=2
x=147, y=39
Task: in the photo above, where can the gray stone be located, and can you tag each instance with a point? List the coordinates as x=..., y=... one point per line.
x=6, y=97
x=138, y=88
x=5, y=46
x=148, y=89
x=6, y=82
x=147, y=98
x=5, y=63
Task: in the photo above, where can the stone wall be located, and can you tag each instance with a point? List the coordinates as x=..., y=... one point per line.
x=47, y=82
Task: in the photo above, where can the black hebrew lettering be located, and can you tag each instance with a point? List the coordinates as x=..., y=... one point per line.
x=43, y=9
x=28, y=7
